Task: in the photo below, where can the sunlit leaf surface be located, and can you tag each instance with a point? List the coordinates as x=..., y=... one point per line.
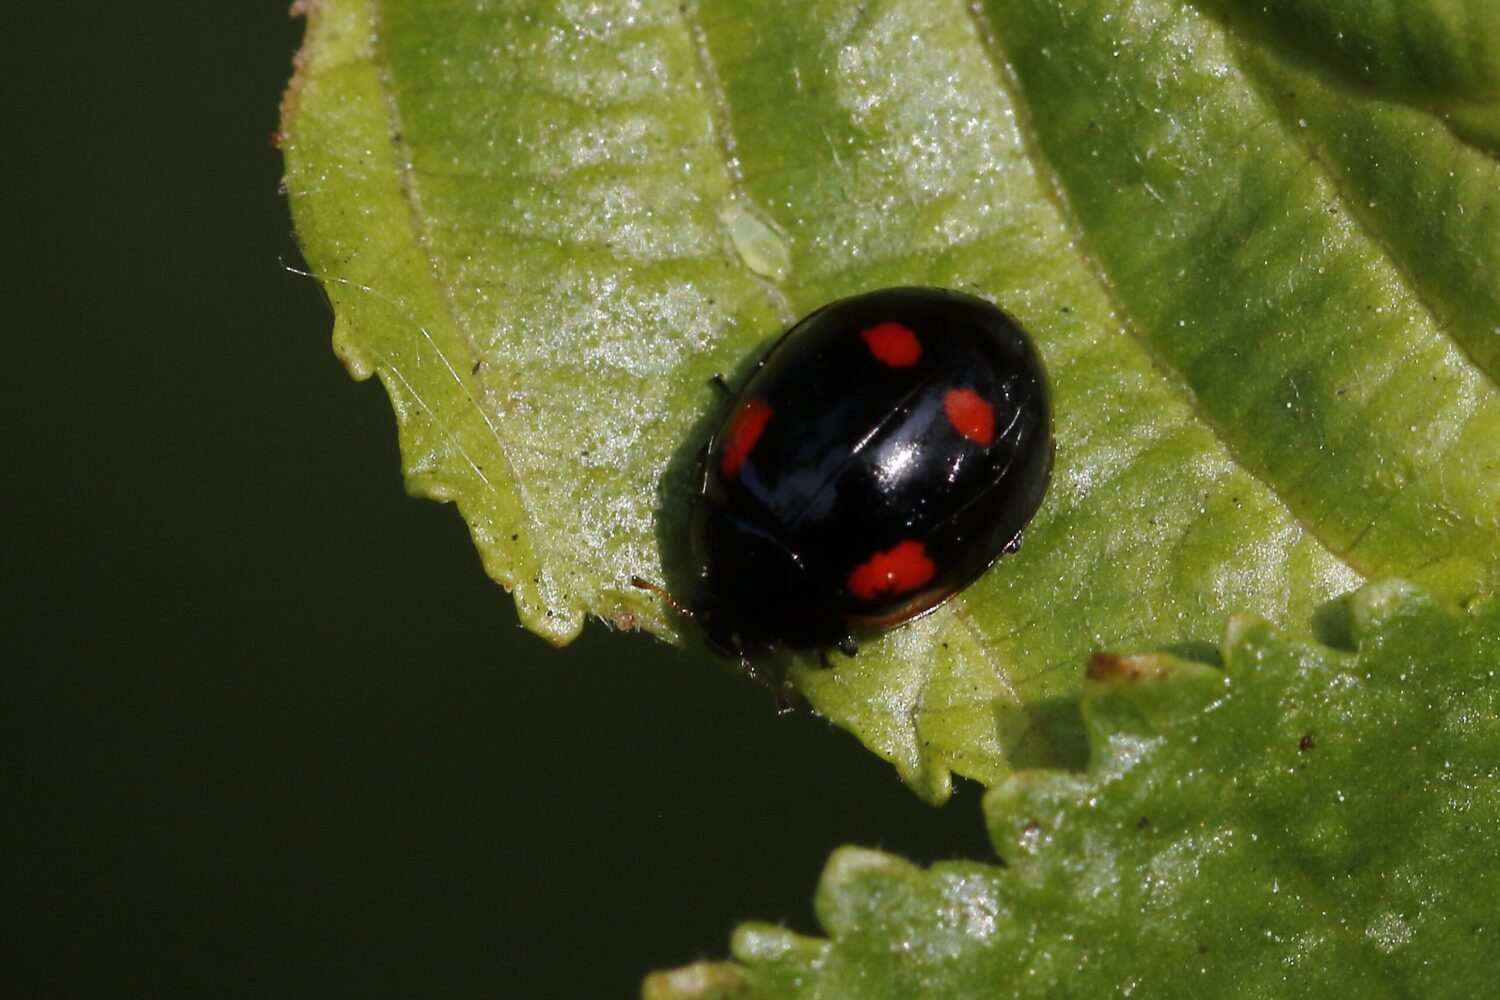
x=1307, y=822
x=1257, y=244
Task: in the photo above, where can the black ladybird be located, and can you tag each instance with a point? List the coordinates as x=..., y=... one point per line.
x=888, y=448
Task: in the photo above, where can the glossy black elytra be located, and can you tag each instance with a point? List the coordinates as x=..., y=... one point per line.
x=888, y=448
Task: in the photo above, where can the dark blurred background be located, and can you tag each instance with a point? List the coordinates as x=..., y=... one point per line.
x=267, y=728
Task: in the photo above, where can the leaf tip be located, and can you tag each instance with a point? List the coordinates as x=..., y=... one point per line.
x=699, y=981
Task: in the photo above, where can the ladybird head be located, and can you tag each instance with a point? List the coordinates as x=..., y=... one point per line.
x=756, y=596
x=722, y=629
x=721, y=634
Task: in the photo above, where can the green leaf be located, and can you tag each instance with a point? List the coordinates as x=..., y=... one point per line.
x=1260, y=269
x=1442, y=56
x=1307, y=822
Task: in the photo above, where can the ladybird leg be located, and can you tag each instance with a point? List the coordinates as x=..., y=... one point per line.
x=718, y=383
x=1014, y=545
x=848, y=646
x=760, y=677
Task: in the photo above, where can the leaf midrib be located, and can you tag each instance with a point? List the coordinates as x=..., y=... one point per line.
x=724, y=141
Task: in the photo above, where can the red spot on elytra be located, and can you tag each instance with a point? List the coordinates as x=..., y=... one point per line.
x=744, y=430
x=898, y=570
x=893, y=344
x=970, y=414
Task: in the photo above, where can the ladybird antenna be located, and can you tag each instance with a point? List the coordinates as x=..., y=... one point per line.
x=661, y=592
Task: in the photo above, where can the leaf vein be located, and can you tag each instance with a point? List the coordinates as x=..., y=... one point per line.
x=1051, y=182
x=411, y=199
x=1354, y=211
x=723, y=134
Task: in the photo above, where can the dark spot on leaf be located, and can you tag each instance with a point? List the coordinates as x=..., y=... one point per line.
x=1109, y=667
x=1306, y=743
x=1142, y=823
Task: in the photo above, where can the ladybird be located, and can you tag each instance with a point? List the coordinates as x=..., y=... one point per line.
x=885, y=451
